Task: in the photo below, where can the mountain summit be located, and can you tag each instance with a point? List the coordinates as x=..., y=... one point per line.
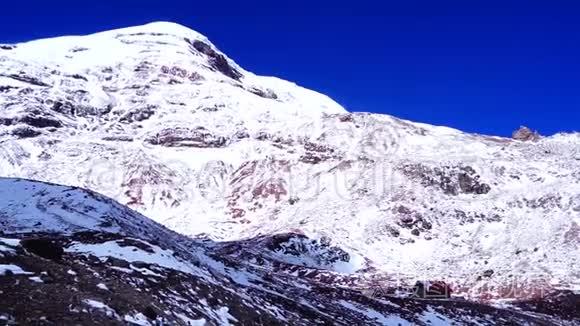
x=160, y=120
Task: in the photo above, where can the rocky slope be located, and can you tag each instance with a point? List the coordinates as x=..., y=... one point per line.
x=159, y=119
x=71, y=256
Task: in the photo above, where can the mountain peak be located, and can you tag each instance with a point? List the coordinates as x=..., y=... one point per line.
x=158, y=28
x=164, y=27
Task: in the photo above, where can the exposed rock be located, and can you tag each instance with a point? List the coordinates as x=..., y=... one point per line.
x=469, y=182
x=78, y=49
x=316, y=153
x=216, y=60
x=28, y=79
x=138, y=114
x=488, y=273
x=77, y=76
x=186, y=137
x=293, y=200
x=473, y=217
x=526, y=134
x=564, y=303
x=241, y=134
x=6, y=121
x=410, y=219
x=299, y=245
x=118, y=138
x=40, y=121
x=268, y=93
x=348, y=117
x=62, y=107
x=4, y=89
x=44, y=248
x=25, y=132
x=150, y=313
x=453, y=180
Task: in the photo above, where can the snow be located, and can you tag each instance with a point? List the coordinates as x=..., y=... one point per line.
x=145, y=271
x=57, y=49
x=191, y=322
x=121, y=269
x=10, y=242
x=36, y=201
x=160, y=257
x=375, y=315
x=224, y=316
x=7, y=244
x=36, y=279
x=101, y=306
x=102, y=286
x=16, y=270
x=5, y=249
x=138, y=319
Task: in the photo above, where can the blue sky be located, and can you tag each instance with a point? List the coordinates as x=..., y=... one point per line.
x=480, y=66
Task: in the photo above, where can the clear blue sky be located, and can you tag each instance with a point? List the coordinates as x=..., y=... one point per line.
x=480, y=66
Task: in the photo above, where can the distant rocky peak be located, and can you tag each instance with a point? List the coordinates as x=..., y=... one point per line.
x=526, y=134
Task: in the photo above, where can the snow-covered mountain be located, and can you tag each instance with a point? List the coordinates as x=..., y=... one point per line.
x=71, y=256
x=157, y=118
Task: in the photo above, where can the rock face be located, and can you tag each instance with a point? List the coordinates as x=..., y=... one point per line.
x=44, y=248
x=525, y=134
x=157, y=118
x=217, y=61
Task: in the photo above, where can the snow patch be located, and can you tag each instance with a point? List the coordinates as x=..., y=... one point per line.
x=101, y=306
x=160, y=257
x=102, y=286
x=375, y=315
x=138, y=319
x=16, y=270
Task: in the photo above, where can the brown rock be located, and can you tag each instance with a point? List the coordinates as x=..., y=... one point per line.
x=526, y=134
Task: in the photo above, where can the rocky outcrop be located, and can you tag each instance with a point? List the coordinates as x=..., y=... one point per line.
x=412, y=220
x=267, y=93
x=25, y=132
x=216, y=60
x=322, y=252
x=138, y=114
x=526, y=134
x=186, y=137
x=44, y=248
x=27, y=79
x=316, y=153
x=40, y=120
x=452, y=180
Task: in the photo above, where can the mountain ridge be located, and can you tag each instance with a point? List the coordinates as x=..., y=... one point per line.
x=119, y=268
